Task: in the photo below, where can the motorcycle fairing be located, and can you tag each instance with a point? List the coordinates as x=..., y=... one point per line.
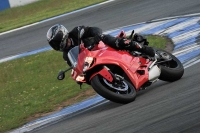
x=136, y=68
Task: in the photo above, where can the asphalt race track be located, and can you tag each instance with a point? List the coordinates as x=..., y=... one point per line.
x=164, y=107
x=108, y=16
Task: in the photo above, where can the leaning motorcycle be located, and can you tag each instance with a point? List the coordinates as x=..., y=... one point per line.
x=118, y=75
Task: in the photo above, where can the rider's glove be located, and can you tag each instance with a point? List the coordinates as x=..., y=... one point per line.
x=98, y=38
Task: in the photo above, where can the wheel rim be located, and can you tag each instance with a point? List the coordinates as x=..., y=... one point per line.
x=123, y=86
x=172, y=63
x=165, y=56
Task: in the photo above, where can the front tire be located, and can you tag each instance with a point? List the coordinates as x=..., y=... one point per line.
x=118, y=95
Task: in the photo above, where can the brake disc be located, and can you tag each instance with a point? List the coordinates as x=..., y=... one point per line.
x=123, y=83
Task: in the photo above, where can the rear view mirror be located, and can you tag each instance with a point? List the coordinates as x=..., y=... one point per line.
x=61, y=75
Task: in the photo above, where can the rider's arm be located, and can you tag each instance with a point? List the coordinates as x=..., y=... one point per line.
x=79, y=29
x=92, y=32
x=85, y=32
x=113, y=42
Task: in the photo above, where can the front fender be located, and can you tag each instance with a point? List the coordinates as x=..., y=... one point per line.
x=104, y=73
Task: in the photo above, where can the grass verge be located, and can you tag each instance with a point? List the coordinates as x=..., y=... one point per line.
x=29, y=86
x=40, y=10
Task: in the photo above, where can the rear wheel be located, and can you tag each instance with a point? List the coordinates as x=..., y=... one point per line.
x=171, y=70
x=120, y=92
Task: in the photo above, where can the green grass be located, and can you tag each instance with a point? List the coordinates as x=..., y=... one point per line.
x=29, y=86
x=157, y=41
x=20, y=16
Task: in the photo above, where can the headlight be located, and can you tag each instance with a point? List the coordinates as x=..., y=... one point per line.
x=88, y=63
x=80, y=78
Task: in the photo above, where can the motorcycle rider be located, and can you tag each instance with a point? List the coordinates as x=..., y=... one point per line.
x=60, y=39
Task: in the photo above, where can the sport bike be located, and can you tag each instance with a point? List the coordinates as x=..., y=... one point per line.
x=118, y=75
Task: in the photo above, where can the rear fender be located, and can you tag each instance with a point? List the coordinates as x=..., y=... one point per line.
x=104, y=73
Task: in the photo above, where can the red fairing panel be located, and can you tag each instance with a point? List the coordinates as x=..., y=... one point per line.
x=106, y=55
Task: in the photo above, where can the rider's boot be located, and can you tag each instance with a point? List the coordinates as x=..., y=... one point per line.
x=148, y=51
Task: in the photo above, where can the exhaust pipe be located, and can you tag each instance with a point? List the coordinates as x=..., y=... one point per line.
x=154, y=73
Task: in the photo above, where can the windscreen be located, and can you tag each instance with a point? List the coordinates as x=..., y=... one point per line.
x=73, y=56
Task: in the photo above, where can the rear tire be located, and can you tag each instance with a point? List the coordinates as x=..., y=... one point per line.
x=105, y=90
x=172, y=70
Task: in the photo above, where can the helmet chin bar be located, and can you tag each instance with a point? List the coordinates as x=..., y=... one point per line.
x=68, y=45
x=72, y=42
x=64, y=43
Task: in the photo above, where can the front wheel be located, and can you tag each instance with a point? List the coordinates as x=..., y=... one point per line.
x=171, y=70
x=119, y=92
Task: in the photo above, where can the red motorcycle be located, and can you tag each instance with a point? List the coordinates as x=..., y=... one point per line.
x=117, y=75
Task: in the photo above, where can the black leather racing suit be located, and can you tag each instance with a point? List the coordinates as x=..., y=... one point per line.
x=92, y=35
x=85, y=34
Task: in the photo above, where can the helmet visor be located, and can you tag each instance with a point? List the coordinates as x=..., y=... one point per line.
x=63, y=43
